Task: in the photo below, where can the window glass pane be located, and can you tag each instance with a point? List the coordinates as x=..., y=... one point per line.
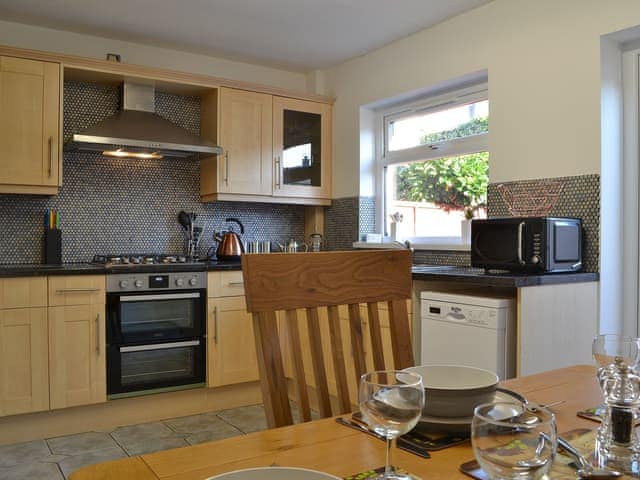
x=424, y=129
x=431, y=196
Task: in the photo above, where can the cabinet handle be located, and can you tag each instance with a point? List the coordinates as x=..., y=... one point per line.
x=235, y=284
x=62, y=291
x=215, y=325
x=98, y=336
x=277, y=171
x=50, y=155
x=226, y=168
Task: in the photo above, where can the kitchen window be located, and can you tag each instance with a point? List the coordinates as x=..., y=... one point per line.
x=434, y=164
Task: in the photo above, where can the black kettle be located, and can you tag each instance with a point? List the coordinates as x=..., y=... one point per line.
x=230, y=245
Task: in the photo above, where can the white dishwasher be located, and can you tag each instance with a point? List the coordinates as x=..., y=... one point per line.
x=478, y=331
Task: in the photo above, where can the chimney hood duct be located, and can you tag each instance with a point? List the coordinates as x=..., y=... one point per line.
x=137, y=131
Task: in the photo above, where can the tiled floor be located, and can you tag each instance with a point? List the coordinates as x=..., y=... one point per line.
x=56, y=458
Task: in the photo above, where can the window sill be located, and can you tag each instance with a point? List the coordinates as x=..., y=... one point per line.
x=434, y=243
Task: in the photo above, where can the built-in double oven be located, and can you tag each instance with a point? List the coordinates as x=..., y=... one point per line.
x=156, y=331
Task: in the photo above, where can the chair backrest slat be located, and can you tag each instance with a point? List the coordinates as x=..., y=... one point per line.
x=400, y=335
x=335, y=280
x=357, y=341
x=337, y=355
x=270, y=367
x=317, y=361
x=375, y=335
x=295, y=350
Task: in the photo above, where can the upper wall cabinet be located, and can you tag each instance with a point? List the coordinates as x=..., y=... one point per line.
x=276, y=149
x=30, y=109
x=244, y=128
x=301, y=148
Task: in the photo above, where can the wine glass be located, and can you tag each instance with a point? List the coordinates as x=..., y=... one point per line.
x=513, y=440
x=391, y=403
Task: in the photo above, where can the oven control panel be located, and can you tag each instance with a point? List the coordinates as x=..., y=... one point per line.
x=146, y=282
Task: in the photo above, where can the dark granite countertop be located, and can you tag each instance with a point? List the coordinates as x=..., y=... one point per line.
x=35, y=269
x=478, y=276
x=420, y=272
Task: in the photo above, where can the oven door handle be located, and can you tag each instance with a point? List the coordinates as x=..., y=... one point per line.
x=160, y=346
x=166, y=296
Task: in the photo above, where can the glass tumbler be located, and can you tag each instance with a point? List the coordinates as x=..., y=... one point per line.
x=513, y=440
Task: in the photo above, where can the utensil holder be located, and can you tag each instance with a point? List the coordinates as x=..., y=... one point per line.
x=53, y=246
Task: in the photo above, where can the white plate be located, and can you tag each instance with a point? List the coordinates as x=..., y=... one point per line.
x=274, y=473
x=462, y=424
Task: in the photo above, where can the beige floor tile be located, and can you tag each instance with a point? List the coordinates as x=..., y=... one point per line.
x=211, y=435
x=18, y=453
x=197, y=423
x=32, y=471
x=72, y=463
x=134, y=434
x=247, y=419
x=154, y=445
x=81, y=443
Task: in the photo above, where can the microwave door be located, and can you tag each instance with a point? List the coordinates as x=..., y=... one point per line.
x=500, y=245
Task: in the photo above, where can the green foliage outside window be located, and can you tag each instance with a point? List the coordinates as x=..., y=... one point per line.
x=451, y=183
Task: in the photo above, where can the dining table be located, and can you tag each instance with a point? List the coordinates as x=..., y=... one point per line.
x=330, y=447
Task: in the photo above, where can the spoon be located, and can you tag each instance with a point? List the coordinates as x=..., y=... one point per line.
x=585, y=469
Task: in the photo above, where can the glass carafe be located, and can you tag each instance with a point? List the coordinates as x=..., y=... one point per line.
x=617, y=443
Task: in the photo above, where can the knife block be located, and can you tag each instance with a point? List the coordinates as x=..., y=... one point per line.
x=53, y=246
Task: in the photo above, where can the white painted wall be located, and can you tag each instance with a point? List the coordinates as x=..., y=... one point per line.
x=543, y=61
x=39, y=38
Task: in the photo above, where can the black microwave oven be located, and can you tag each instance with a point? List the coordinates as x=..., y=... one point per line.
x=527, y=244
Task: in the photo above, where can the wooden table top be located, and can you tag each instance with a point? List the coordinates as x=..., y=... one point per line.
x=327, y=446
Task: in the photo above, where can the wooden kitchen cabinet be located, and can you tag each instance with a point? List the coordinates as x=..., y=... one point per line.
x=242, y=125
x=77, y=341
x=30, y=124
x=231, y=345
x=231, y=351
x=301, y=148
x=277, y=149
x=24, y=362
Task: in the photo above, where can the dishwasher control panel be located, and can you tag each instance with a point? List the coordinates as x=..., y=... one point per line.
x=457, y=313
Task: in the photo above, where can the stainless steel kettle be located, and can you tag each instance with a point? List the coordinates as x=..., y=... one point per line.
x=230, y=245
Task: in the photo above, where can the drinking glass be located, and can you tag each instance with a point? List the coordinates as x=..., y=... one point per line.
x=513, y=440
x=391, y=403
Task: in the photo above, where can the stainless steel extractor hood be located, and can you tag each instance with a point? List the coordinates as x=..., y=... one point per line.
x=136, y=131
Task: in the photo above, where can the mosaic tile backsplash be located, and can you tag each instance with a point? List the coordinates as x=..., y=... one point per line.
x=577, y=196
x=341, y=223
x=110, y=205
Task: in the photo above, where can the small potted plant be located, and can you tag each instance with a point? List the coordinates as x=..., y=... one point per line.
x=396, y=218
x=465, y=224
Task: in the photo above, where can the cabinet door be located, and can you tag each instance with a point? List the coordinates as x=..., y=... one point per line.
x=245, y=120
x=302, y=148
x=231, y=345
x=24, y=362
x=29, y=122
x=77, y=367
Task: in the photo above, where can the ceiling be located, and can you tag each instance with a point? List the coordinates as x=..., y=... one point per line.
x=298, y=35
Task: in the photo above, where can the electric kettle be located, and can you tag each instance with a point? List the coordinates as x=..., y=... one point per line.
x=230, y=245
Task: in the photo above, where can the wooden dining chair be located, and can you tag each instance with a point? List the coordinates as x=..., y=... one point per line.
x=321, y=283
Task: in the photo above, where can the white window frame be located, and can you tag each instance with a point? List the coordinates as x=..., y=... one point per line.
x=446, y=148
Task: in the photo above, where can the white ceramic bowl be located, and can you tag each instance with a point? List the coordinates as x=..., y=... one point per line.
x=274, y=473
x=454, y=390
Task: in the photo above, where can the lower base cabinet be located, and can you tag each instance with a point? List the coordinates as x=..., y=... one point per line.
x=24, y=362
x=231, y=345
x=77, y=356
